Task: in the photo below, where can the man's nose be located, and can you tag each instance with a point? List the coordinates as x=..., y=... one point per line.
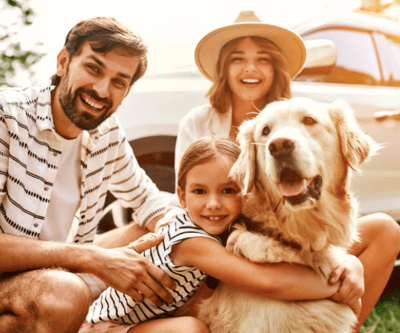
x=102, y=88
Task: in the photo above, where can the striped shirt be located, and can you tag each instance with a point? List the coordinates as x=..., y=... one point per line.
x=116, y=306
x=30, y=151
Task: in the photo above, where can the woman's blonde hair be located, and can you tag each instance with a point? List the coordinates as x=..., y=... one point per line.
x=220, y=95
x=205, y=150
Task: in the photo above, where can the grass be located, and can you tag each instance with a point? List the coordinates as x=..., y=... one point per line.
x=385, y=317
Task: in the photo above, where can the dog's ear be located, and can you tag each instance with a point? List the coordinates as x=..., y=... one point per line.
x=355, y=144
x=244, y=171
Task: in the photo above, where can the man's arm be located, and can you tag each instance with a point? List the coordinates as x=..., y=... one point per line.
x=121, y=268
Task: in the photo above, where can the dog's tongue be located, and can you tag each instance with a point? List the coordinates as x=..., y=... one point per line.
x=293, y=188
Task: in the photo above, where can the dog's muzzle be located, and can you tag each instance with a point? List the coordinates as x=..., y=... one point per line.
x=295, y=189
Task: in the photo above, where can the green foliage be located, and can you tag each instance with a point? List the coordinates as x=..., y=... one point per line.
x=385, y=317
x=15, y=59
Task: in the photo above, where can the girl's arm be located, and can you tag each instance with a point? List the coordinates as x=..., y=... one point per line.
x=351, y=273
x=280, y=281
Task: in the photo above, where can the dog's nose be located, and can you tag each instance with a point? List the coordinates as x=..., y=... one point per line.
x=281, y=147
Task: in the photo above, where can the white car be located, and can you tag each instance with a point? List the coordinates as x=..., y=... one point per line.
x=364, y=71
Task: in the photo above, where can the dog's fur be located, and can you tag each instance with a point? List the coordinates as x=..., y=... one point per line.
x=294, y=167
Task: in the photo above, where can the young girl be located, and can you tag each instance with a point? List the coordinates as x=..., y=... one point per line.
x=191, y=249
x=250, y=64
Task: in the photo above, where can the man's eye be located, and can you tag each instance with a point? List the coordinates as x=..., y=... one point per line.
x=120, y=82
x=93, y=68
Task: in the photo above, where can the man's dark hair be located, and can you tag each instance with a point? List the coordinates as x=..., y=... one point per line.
x=105, y=34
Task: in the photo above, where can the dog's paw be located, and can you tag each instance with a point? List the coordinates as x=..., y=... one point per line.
x=256, y=248
x=233, y=237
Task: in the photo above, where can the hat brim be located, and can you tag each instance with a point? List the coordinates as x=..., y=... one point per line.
x=290, y=44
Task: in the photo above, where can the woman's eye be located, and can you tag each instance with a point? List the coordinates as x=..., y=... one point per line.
x=265, y=59
x=236, y=59
x=307, y=120
x=266, y=130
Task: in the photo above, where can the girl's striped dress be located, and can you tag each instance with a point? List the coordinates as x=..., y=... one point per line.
x=116, y=306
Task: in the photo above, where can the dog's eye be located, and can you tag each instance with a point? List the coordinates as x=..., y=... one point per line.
x=307, y=120
x=266, y=130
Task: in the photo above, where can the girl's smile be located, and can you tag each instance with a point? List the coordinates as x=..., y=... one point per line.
x=212, y=200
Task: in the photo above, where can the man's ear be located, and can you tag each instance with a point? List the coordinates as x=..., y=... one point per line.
x=63, y=59
x=181, y=196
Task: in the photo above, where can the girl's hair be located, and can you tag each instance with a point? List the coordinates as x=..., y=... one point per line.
x=105, y=34
x=205, y=150
x=220, y=94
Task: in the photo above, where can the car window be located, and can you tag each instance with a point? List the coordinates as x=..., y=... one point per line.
x=356, y=57
x=389, y=53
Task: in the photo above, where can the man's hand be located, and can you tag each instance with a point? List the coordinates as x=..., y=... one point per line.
x=351, y=274
x=125, y=270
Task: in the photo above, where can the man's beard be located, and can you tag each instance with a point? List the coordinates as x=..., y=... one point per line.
x=83, y=120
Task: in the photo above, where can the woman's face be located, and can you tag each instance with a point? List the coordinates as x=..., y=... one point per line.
x=250, y=72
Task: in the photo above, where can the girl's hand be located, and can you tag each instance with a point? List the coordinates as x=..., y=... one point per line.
x=351, y=275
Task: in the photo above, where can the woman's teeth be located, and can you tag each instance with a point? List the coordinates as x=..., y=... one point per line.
x=250, y=81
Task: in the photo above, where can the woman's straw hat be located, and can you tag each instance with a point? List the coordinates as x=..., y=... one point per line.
x=248, y=24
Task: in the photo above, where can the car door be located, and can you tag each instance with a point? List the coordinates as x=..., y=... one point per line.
x=371, y=87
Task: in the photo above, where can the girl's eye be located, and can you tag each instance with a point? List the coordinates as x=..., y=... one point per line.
x=229, y=190
x=199, y=191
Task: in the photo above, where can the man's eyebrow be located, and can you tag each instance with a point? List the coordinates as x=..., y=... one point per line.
x=101, y=64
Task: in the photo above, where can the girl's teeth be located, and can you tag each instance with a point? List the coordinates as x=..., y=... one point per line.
x=214, y=218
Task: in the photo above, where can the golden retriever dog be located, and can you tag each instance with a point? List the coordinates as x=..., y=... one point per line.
x=294, y=168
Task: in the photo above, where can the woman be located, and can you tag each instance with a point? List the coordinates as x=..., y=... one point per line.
x=250, y=65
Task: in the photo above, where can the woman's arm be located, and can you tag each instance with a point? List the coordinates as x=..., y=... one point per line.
x=279, y=281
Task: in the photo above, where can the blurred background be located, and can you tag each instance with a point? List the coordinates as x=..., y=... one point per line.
x=33, y=31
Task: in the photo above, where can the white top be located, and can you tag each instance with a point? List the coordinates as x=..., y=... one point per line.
x=200, y=122
x=116, y=306
x=65, y=197
x=30, y=155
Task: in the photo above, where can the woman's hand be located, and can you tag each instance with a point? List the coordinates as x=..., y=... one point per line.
x=351, y=275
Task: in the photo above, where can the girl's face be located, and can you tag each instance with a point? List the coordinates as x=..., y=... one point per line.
x=212, y=200
x=250, y=72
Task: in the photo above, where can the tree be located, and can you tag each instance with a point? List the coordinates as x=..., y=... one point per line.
x=15, y=59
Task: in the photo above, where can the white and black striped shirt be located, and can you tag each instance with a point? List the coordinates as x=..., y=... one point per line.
x=30, y=152
x=116, y=306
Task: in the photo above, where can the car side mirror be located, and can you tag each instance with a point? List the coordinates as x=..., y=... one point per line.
x=321, y=57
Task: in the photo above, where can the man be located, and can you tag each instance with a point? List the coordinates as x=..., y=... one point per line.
x=61, y=150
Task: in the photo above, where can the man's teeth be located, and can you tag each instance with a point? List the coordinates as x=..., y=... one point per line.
x=92, y=104
x=250, y=81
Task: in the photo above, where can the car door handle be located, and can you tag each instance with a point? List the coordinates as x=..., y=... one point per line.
x=387, y=115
